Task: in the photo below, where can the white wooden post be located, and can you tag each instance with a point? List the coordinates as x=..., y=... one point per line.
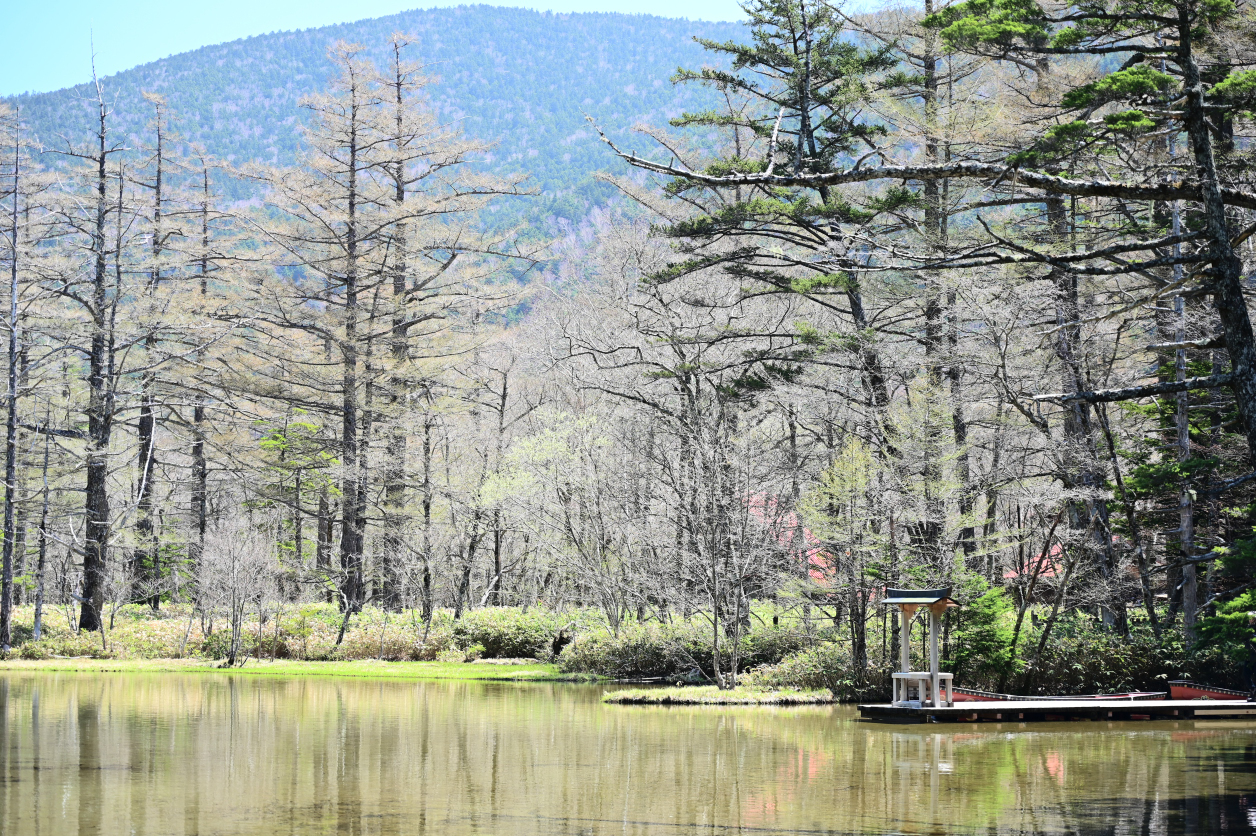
x=904, y=649
x=906, y=611
x=934, y=623
x=908, y=602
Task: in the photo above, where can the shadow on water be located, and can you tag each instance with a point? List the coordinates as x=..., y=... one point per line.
x=1217, y=813
x=1237, y=761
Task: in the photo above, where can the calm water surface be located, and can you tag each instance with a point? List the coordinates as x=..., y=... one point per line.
x=202, y=754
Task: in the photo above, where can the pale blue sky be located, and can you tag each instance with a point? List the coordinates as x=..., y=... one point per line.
x=46, y=44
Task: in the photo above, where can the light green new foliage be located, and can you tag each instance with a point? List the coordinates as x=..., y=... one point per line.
x=544, y=457
x=859, y=485
x=843, y=483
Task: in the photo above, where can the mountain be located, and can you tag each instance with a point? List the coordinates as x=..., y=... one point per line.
x=514, y=77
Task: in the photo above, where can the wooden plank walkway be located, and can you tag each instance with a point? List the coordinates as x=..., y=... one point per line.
x=1037, y=711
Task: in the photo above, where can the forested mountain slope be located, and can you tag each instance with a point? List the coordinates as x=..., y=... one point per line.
x=515, y=77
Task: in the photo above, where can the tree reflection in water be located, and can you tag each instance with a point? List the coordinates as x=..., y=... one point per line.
x=237, y=754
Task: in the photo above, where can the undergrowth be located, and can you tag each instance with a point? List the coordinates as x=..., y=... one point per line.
x=1080, y=657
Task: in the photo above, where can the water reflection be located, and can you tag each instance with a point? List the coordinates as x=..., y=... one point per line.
x=208, y=755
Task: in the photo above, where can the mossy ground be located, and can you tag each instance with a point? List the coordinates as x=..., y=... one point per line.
x=711, y=695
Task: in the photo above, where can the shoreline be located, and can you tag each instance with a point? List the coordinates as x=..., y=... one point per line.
x=490, y=671
x=711, y=695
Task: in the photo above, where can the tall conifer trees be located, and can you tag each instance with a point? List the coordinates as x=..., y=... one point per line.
x=374, y=225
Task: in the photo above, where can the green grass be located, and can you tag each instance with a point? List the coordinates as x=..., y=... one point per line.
x=711, y=695
x=534, y=672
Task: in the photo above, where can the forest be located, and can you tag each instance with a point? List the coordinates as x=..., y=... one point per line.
x=942, y=296
x=515, y=79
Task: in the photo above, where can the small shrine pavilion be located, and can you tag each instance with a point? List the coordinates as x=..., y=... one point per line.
x=928, y=685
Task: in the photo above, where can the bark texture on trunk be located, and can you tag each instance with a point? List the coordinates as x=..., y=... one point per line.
x=1227, y=270
x=100, y=401
x=10, y=437
x=353, y=579
x=147, y=571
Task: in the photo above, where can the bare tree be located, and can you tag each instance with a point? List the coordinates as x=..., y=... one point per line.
x=239, y=570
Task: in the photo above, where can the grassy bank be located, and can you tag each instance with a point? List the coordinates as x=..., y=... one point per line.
x=309, y=632
x=710, y=695
x=523, y=672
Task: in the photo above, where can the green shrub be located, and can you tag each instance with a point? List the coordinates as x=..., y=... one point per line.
x=1083, y=657
x=824, y=666
x=509, y=632
x=439, y=640
x=34, y=650
x=391, y=643
x=1223, y=638
x=67, y=645
x=149, y=638
x=768, y=645
x=637, y=651
x=670, y=650
x=216, y=645
x=981, y=642
x=304, y=629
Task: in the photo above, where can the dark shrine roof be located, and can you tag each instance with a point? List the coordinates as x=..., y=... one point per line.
x=919, y=596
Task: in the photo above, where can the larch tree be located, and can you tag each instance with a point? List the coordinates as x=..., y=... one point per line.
x=88, y=285
x=375, y=230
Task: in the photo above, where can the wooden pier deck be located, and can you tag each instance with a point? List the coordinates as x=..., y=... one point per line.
x=1058, y=710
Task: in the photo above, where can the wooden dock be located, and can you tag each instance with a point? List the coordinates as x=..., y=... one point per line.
x=1038, y=711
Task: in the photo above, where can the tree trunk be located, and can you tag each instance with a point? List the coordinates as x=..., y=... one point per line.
x=1186, y=501
x=298, y=540
x=392, y=557
x=145, y=569
x=1131, y=520
x=392, y=553
x=22, y=513
x=473, y=546
x=352, y=591
x=1227, y=269
x=931, y=528
x=198, y=504
x=10, y=438
x=322, y=548
x=427, y=520
x=200, y=472
x=1079, y=467
x=495, y=585
x=38, y=630
x=100, y=404
x=146, y=575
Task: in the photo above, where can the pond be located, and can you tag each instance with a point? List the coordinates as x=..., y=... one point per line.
x=237, y=754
